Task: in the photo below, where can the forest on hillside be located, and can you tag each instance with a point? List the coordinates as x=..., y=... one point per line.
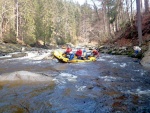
x=62, y=21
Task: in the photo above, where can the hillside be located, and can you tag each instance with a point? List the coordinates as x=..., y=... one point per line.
x=126, y=38
x=129, y=35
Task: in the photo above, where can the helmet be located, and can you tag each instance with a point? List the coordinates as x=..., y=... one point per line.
x=84, y=50
x=94, y=50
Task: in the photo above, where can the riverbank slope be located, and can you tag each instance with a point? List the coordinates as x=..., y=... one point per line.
x=125, y=39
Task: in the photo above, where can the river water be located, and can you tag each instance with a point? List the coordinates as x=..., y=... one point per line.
x=113, y=84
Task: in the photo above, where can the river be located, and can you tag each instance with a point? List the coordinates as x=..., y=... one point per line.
x=112, y=84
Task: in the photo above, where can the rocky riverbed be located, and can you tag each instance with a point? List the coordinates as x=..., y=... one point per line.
x=6, y=48
x=144, y=55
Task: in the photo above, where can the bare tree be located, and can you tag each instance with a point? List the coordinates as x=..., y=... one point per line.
x=146, y=6
x=5, y=17
x=141, y=4
x=17, y=16
x=131, y=17
x=106, y=10
x=127, y=9
x=139, y=22
x=95, y=7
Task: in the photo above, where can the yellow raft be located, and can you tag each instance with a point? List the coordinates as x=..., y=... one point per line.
x=61, y=58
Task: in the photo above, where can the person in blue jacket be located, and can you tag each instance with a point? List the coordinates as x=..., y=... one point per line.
x=71, y=56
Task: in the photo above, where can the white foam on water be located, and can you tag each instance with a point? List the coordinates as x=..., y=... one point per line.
x=137, y=70
x=37, y=55
x=31, y=55
x=64, y=77
x=143, y=72
x=108, y=78
x=6, y=56
x=69, y=77
x=132, y=79
x=24, y=76
x=108, y=56
x=80, y=88
x=111, y=61
x=42, y=55
x=144, y=92
x=123, y=65
x=101, y=59
x=139, y=92
x=37, y=62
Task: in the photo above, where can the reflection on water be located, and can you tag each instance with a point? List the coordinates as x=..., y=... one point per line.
x=112, y=84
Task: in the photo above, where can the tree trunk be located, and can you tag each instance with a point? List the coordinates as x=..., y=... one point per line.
x=104, y=28
x=131, y=17
x=17, y=16
x=146, y=6
x=117, y=19
x=141, y=3
x=95, y=7
x=127, y=10
x=121, y=13
x=3, y=6
x=106, y=9
x=1, y=27
x=116, y=25
x=139, y=22
x=104, y=17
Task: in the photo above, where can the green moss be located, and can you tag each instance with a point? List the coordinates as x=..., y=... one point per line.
x=130, y=54
x=109, y=52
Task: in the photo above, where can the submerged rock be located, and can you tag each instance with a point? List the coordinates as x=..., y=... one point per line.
x=25, y=76
x=17, y=55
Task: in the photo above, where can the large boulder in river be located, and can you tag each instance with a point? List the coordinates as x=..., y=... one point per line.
x=17, y=55
x=40, y=43
x=25, y=76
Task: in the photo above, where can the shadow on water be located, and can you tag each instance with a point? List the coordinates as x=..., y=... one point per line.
x=113, y=84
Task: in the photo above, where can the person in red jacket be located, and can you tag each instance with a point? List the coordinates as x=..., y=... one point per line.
x=67, y=52
x=79, y=53
x=95, y=53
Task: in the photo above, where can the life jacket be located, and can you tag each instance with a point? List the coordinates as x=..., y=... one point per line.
x=95, y=52
x=68, y=50
x=79, y=52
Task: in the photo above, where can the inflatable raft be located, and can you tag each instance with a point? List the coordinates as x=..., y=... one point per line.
x=62, y=58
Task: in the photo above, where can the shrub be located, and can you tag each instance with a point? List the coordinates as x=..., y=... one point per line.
x=29, y=40
x=10, y=37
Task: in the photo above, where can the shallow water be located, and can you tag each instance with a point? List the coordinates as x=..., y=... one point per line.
x=111, y=84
